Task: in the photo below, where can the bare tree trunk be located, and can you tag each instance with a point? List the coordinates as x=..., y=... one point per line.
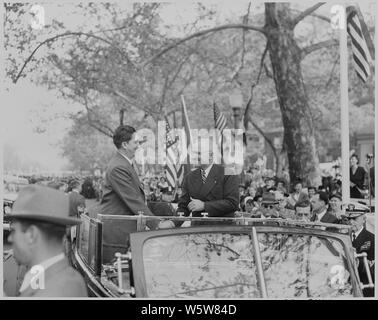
x=285, y=55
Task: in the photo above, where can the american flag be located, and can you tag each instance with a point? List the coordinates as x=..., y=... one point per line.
x=173, y=169
x=220, y=124
x=361, y=54
x=219, y=119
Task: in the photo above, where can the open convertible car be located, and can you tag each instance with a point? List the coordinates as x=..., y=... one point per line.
x=240, y=258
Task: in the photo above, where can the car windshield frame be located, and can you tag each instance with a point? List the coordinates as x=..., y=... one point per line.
x=138, y=239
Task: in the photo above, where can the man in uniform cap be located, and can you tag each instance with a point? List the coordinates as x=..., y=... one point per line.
x=362, y=241
x=39, y=220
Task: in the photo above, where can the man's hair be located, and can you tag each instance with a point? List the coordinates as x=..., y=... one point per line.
x=311, y=188
x=323, y=196
x=50, y=231
x=122, y=134
x=249, y=201
x=302, y=204
x=74, y=184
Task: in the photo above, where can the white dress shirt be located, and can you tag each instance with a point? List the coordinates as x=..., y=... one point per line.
x=356, y=234
x=43, y=265
x=207, y=170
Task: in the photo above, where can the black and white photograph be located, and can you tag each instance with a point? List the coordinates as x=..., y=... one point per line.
x=189, y=151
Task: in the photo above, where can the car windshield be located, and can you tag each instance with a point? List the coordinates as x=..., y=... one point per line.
x=221, y=265
x=304, y=266
x=202, y=265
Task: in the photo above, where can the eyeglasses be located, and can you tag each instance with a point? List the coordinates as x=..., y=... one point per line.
x=268, y=206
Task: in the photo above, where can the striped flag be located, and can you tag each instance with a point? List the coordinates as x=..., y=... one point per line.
x=220, y=124
x=361, y=54
x=173, y=169
x=219, y=119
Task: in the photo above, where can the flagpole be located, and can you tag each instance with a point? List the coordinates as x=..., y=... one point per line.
x=344, y=103
x=376, y=128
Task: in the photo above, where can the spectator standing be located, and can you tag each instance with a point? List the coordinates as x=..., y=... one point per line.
x=357, y=178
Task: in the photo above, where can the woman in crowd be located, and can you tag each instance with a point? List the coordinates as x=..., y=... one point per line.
x=357, y=178
x=163, y=185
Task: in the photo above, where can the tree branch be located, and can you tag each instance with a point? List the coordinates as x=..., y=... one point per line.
x=68, y=34
x=249, y=103
x=96, y=124
x=241, y=66
x=319, y=16
x=320, y=45
x=265, y=137
x=200, y=34
x=305, y=13
x=331, y=73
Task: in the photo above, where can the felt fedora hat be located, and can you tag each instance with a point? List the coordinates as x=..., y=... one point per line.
x=40, y=203
x=269, y=198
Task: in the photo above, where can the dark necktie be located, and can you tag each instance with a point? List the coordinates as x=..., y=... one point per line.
x=353, y=236
x=203, y=174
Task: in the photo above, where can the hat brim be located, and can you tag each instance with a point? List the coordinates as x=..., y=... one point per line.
x=354, y=215
x=55, y=220
x=269, y=202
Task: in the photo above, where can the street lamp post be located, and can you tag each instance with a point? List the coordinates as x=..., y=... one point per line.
x=236, y=103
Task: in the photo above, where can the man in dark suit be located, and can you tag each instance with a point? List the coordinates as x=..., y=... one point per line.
x=362, y=241
x=39, y=218
x=319, y=203
x=123, y=192
x=209, y=190
x=77, y=201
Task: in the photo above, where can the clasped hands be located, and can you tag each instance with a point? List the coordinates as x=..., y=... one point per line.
x=196, y=205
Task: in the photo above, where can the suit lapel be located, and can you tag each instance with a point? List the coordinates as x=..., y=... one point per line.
x=359, y=239
x=325, y=218
x=211, y=181
x=131, y=169
x=197, y=179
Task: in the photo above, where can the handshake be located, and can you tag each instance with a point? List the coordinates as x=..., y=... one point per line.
x=194, y=205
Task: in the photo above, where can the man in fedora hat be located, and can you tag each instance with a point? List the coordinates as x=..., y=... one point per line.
x=362, y=241
x=269, y=206
x=39, y=220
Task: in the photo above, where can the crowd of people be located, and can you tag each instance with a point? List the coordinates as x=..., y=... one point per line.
x=205, y=191
x=272, y=197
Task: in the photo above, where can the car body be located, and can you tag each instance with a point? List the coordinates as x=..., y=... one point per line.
x=247, y=258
